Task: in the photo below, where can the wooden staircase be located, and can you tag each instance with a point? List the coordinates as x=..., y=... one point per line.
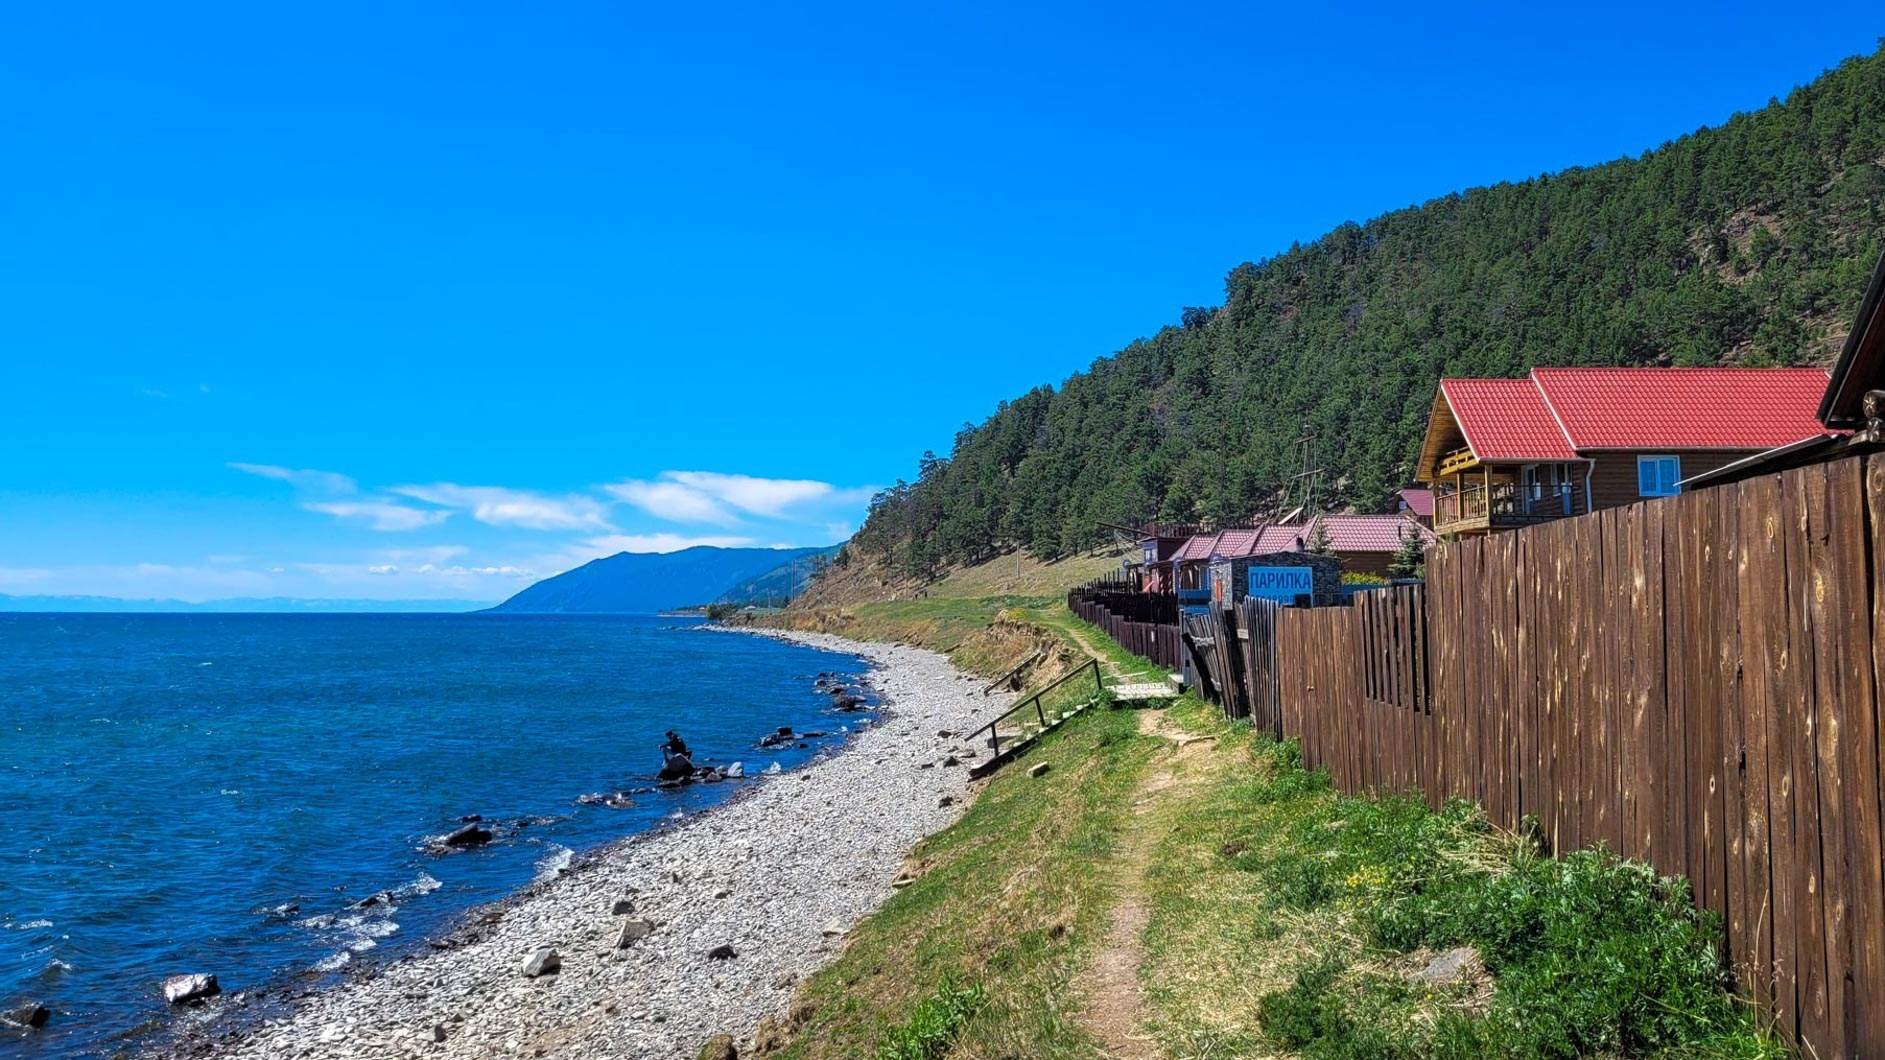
x=1022, y=725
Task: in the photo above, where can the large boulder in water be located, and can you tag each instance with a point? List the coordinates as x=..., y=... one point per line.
x=190, y=989
x=30, y=1014
x=470, y=835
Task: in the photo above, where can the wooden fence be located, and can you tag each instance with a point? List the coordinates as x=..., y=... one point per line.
x=1690, y=681
x=1143, y=625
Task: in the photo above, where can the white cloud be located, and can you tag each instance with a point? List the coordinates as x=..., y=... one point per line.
x=383, y=568
x=672, y=501
x=498, y=506
x=330, y=482
x=380, y=515
x=715, y=497
x=16, y=577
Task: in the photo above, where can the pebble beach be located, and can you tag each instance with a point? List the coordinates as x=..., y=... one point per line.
x=665, y=940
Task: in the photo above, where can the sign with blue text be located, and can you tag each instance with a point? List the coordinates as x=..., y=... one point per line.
x=1281, y=583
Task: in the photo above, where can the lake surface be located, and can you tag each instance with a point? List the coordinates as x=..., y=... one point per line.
x=215, y=793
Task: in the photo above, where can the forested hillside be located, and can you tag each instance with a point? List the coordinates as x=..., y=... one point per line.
x=1749, y=243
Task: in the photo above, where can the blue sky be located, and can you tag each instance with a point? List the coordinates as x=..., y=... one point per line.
x=428, y=301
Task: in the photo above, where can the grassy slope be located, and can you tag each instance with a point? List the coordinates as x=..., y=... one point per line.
x=1012, y=898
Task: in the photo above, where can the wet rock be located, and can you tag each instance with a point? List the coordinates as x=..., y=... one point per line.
x=27, y=1014
x=722, y=952
x=545, y=961
x=776, y=739
x=471, y=835
x=471, y=818
x=719, y=1047
x=1461, y=962
x=190, y=989
x=632, y=932
x=1038, y=768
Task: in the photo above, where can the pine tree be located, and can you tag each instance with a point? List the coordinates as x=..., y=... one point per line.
x=1410, y=560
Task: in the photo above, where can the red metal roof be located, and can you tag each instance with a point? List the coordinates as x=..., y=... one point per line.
x=1418, y=499
x=1199, y=547
x=1682, y=408
x=1279, y=539
x=1506, y=419
x=1232, y=544
x=1372, y=533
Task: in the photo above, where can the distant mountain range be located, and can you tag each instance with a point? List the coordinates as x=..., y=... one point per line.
x=268, y=604
x=647, y=582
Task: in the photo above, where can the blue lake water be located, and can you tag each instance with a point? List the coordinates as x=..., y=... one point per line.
x=214, y=793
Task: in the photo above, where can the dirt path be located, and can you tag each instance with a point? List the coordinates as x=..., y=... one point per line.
x=1115, y=1006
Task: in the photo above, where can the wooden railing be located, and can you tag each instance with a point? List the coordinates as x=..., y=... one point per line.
x=1502, y=504
x=1037, y=703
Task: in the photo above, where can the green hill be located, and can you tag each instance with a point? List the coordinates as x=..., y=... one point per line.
x=1747, y=243
x=783, y=582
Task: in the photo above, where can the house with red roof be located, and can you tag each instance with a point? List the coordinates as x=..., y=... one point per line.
x=1504, y=453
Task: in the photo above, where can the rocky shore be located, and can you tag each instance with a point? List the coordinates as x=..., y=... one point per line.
x=656, y=945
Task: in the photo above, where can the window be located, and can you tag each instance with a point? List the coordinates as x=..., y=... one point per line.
x=1656, y=476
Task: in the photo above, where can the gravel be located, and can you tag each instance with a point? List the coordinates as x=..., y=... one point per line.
x=776, y=877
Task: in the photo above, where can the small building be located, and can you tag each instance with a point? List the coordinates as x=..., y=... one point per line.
x=1416, y=503
x=1367, y=544
x=1504, y=453
x=1286, y=576
x=1157, y=546
x=1191, y=574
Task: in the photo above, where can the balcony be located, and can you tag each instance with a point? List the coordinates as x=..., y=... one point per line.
x=1501, y=506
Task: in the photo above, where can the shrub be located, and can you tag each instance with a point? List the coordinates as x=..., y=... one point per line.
x=932, y=1028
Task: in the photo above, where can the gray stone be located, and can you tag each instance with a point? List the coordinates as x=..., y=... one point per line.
x=633, y=931
x=1037, y=769
x=438, y=1032
x=545, y=961
x=470, y=835
x=832, y=929
x=622, y=907
x=27, y=1014
x=1459, y=963
x=188, y=989
x=719, y=1047
x=722, y=952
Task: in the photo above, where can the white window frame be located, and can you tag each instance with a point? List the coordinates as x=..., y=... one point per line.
x=1659, y=488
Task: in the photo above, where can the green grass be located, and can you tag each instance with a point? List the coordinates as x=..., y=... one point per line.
x=1288, y=919
x=1010, y=899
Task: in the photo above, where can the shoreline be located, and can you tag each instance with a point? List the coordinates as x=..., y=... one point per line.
x=780, y=871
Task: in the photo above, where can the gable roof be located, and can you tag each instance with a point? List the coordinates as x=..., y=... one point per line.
x=1418, y=499
x=1563, y=413
x=1506, y=419
x=1860, y=359
x=1683, y=408
x=1371, y=533
x=1199, y=547
x=1234, y=543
